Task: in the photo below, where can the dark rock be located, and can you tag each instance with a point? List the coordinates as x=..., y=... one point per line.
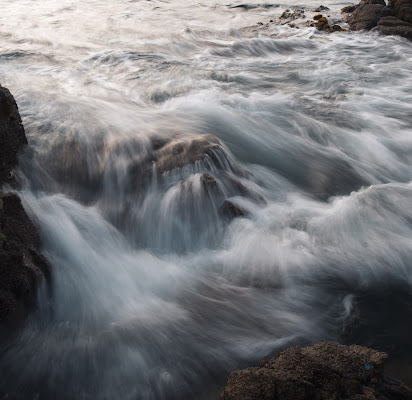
x=12, y=137
x=324, y=371
x=394, y=26
x=230, y=210
x=367, y=15
x=402, y=9
x=321, y=8
x=22, y=266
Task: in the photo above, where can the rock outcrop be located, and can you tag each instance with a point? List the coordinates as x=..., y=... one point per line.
x=367, y=14
x=324, y=371
x=22, y=266
x=12, y=136
x=402, y=9
x=395, y=19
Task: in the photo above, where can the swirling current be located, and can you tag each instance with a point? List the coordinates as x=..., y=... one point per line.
x=209, y=190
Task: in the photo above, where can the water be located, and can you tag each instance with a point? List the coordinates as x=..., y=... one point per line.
x=156, y=294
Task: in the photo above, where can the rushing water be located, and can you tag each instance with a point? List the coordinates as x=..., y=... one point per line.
x=155, y=294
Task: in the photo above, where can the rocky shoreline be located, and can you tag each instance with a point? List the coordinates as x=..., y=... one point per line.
x=22, y=266
x=323, y=371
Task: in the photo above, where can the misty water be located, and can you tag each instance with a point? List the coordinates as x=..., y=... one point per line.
x=155, y=292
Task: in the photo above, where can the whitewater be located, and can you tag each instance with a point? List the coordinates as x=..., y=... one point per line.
x=155, y=292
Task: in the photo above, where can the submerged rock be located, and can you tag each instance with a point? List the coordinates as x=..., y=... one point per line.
x=22, y=266
x=324, y=371
x=230, y=210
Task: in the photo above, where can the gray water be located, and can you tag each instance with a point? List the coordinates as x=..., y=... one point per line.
x=155, y=294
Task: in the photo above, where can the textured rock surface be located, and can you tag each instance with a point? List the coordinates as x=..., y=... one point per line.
x=374, y=14
x=367, y=14
x=324, y=371
x=402, y=9
x=21, y=264
x=394, y=26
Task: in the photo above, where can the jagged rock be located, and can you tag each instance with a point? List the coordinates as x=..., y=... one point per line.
x=367, y=14
x=402, y=9
x=394, y=26
x=22, y=266
x=324, y=371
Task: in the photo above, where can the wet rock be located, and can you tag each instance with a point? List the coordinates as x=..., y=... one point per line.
x=238, y=188
x=402, y=9
x=324, y=371
x=12, y=137
x=230, y=210
x=322, y=24
x=209, y=184
x=22, y=267
x=187, y=150
x=321, y=8
x=289, y=15
x=337, y=28
x=367, y=14
x=394, y=26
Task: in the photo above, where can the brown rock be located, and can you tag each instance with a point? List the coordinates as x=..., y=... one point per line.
x=402, y=9
x=349, y=9
x=324, y=371
x=367, y=15
x=394, y=26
